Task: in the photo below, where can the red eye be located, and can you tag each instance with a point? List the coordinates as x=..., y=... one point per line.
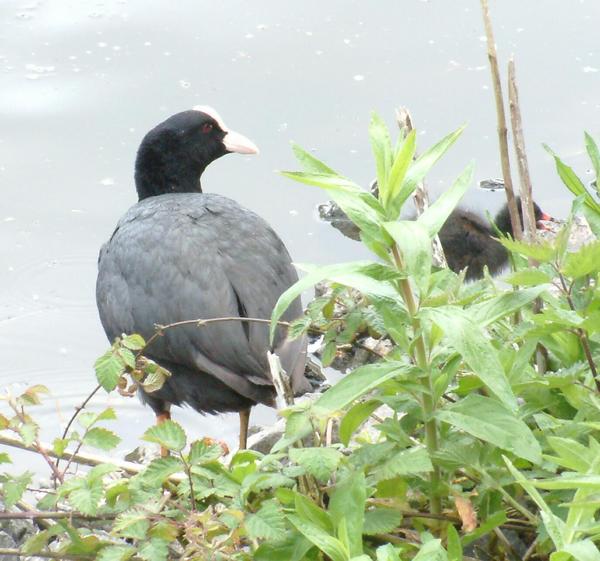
x=206, y=128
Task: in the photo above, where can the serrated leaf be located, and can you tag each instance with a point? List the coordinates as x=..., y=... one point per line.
x=60, y=445
x=318, y=462
x=491, y=421
x=28, y=432
x=101, y=438
x=294, y=548
x=405, y=462
x=154, y=549
x=109, y=368
x=381, y=520
x=14, y=487
x=115, y=553
x=309, y=511
x=347, y=506
x=135, y=342
x=204, y=453
x=542, y=251
x=36, y=543
x=168, y=434
x=268, y=523
x=328, y=353
x=387, y=552
x=528, y=277
x=582, y=262
x=160, y=469
x=86, y=495
x=132, y=524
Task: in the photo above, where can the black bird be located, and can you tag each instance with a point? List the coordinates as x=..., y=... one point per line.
x=468, y=240
x=181, y=254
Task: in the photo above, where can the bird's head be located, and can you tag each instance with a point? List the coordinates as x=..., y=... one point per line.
x=173, y=155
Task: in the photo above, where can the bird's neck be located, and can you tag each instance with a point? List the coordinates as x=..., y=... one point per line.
x=156, y=173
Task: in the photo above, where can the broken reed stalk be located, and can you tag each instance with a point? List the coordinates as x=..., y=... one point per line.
x=501, y=119
x=421, y=196
x=529, y=222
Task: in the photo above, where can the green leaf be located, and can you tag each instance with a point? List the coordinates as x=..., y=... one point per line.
x=202, y=453
x=354, y=417
x=109, y=368
x=348, y=503
x=584, y=550
x=134, y=342
x=504, y=305
x=436, y=215
x=154, y=549
x=405, y=462
x=328, y=353
x=309, y=162
x=294, y=548
x=381, y=520
x=14, y=487
x=101, y=438
x=115, y=553
x=132, y=524
x=168, y=434
x=490, y=420
x=326, y=543
x=493, y=521
x=28, y=432
x=268, y=523
x=359, y=382
x=455, y=550
x=594, y=154
x=309, y=511
x=318, y=462
x=420, y=168
x=160, y=469
x=414, y=244
x=542, y=251
x=401, y=164
x=5, y=458
x=36, y=543
x=528, y=277
x=381, y=145
x=85, y=495
x=468, y=339
x=431, y=551
x=387, y=553
x=372, y=279
x=582, y=262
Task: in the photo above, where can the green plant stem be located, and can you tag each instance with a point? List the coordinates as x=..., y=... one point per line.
x=431, y=429
x=580, y=332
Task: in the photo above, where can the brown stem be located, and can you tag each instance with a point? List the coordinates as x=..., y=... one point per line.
x=501, y=120
x=52, y=515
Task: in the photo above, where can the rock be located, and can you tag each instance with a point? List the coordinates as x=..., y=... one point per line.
x=7, y=541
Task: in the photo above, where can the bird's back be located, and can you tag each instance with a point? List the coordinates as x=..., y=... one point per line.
x=187, y=256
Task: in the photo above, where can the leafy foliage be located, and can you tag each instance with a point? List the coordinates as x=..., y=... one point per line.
x=455, y=436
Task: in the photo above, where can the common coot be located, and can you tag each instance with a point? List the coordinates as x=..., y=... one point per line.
x=181, y=254
x=468, y=241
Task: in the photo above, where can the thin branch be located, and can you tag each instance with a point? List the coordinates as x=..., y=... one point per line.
x=501, y=119
x=6, y=551
x=52, y=515
x=84, y=458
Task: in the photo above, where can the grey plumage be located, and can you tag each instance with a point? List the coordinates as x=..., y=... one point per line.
x=190, y=255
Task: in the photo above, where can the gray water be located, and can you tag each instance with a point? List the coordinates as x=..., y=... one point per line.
x=82, y=81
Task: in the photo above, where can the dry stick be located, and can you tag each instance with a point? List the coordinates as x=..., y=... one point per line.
x=421, y=196
x=529, y=222
x=502, y=130
x=83, y=458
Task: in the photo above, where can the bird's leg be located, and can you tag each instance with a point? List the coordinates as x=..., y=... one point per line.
x=244, y=421
x=165, y=415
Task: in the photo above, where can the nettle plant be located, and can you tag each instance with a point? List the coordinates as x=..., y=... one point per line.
x=468, y=447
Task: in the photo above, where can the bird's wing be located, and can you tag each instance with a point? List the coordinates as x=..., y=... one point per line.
x=182, y=257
